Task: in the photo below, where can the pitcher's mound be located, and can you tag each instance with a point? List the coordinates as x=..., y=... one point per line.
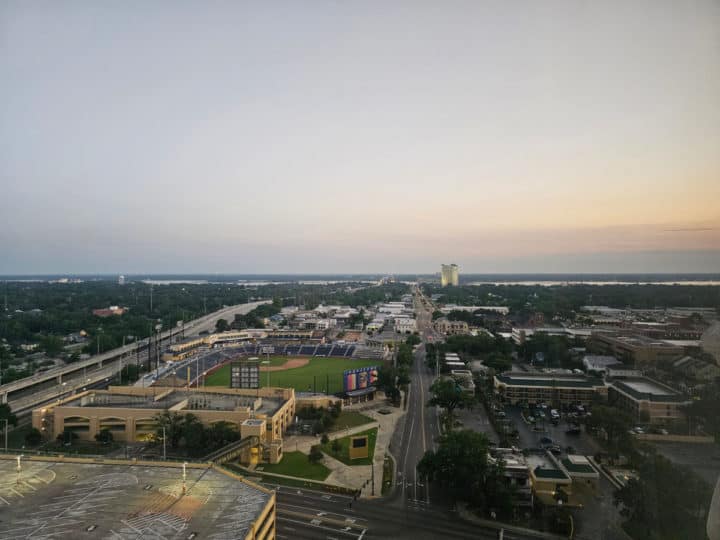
x=290, y=364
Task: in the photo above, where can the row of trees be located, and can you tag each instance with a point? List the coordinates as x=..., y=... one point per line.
x=565, y=300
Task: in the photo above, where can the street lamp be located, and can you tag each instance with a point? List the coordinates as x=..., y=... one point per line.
x=184, y=476
x=164, y=446
x=19, y=468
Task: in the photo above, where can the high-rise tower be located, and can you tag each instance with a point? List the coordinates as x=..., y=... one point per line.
x=449, y=275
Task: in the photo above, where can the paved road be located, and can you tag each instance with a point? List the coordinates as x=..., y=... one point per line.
x=308, y=514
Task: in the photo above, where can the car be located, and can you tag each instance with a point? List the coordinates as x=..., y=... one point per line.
x=573, y=429
x=546, y=441
x=555, y=450
x=501, y=414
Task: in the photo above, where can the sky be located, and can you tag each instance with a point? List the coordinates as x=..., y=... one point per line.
x=373, y=136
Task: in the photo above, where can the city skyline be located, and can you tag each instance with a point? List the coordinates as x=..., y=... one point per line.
x=321, y=137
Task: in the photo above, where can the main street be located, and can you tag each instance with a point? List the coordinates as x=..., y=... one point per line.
x=413, y=510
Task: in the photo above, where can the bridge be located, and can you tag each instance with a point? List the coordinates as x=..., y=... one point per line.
x=66, y=379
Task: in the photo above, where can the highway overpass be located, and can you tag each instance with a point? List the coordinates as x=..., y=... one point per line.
x=110, y=362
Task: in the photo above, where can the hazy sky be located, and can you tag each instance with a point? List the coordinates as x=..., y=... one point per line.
x=359, y=136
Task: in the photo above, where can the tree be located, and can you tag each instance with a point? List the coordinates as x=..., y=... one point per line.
x=614, y=424
x=413, y=340
x=448, y=395
x=315, y=455
x=104, y=436
x=52, y=345
x=173, y=424
x=221, y=434
x=195, y=438
x=221, y=325
x=498, y=361
x=335, y=446
x=665, y=502
x=460, y=466
x=33, y=437
x=324, y=439
x=7, y=414
x=66, y=437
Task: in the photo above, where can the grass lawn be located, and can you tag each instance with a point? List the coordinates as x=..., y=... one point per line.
x=313, y=377
x=343, y=455
x=297, y=464
x=349, y=419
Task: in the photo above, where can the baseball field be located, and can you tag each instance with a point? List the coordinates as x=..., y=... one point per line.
x=305, y=374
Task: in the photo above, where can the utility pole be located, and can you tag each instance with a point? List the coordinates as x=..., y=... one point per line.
x=151, y=303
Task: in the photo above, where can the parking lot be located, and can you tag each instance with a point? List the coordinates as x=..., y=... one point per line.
x=530, y=435
x=72, y=500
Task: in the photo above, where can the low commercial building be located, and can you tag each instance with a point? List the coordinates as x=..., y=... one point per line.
x=636, y=350
x=695, y=368
x=648, y=400
x=129, y=413
x=547, y=477
x=517, y=473
x=550, y=388
x=520, y=335
x=451, y=328
x=405, y=325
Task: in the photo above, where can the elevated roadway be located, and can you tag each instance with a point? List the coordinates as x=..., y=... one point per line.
x=63, y=380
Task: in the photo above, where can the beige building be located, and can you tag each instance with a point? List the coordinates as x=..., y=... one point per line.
x=550, y=388
x=449, y=275
x=129, y=413
x=451, y=328
x=648, y=400
x=636, y=350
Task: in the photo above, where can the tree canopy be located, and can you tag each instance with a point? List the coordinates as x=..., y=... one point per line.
x=461, y=466
x=665, y=502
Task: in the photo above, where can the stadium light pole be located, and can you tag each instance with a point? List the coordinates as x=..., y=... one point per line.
x=267, y=363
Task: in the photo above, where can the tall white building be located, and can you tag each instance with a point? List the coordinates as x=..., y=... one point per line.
x=449, y=275
x=121, y=280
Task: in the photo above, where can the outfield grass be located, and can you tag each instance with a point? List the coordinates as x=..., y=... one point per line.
x=313, y=377
x=343, y=454
x=297, y=464
x=350, y=419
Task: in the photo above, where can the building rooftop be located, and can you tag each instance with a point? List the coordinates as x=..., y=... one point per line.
x=648, y=389
x=548, y=379
x=578, y=464
x=126, y=502
x=177, y=399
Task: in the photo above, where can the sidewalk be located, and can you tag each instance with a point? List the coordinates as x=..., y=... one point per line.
x=354, y=476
